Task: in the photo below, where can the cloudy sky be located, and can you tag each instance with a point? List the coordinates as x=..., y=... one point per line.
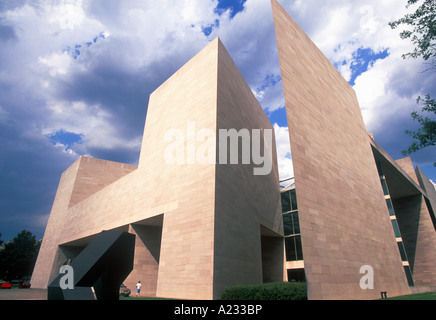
x=75, y=77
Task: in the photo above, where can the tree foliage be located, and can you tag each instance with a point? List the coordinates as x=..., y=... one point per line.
x=423, y=36
x=18, y=257
x=426, y=134
x=423, y=33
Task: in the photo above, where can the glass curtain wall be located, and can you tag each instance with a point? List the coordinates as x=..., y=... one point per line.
x=291, y=225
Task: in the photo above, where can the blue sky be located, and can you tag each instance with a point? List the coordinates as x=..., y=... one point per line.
x=67, y=139
x=75, y=78
x=235, y=6
x=362, y=59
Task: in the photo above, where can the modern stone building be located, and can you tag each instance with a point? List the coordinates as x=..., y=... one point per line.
x=200, y=226
x=203, y=225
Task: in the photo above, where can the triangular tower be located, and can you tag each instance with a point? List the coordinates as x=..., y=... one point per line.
x=344, y=220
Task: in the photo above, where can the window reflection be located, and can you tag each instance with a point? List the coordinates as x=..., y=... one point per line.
x=286, y=204
x=293, y=199
x=390, y=207
x=289, y=201
x=291, y=225
x=294, y=249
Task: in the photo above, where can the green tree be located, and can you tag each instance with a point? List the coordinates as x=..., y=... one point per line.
x=423, y=36
x=19, y=256
x=426, y=134
x=423, y=33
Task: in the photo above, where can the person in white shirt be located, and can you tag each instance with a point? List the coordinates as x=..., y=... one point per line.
x=138, y=288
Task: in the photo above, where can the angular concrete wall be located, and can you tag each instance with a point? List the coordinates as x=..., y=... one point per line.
x=185, y=104
x=419, y=238
x=343, y=216
x=411, y=193
x=245, y=203
x=194, y=237
x=430, y=189
x=425, y=265
x=82, y=179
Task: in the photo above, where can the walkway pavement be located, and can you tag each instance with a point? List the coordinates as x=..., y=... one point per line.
x=23, y=294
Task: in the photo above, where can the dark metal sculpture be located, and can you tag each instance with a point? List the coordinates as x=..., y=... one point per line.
x=98, y=271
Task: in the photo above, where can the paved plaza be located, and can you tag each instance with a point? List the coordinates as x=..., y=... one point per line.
x=23, y=294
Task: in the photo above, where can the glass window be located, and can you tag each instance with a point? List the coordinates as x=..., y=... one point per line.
x=286, y=204
x=396, y=228
x=390, y=207
x=294, y=249
x=293, y=199
x=290, y=249
x=296, y=222
x=385, y=187
x=402, y=251
x=297, y=275
x=291, y=224
x=409, y=276
x=287, y=224
x=298, y=248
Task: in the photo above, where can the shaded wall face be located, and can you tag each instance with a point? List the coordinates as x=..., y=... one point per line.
x=412, y=202
x=146, y=260
x=425, y=182
x=407, y=211
x=418, y=234
x=343, y=216
x=272, y=259
x=243, y=200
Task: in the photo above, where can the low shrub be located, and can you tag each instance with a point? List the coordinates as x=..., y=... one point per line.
x=267, y=291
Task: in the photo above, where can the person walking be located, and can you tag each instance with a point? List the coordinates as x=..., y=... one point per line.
x=138, y=288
